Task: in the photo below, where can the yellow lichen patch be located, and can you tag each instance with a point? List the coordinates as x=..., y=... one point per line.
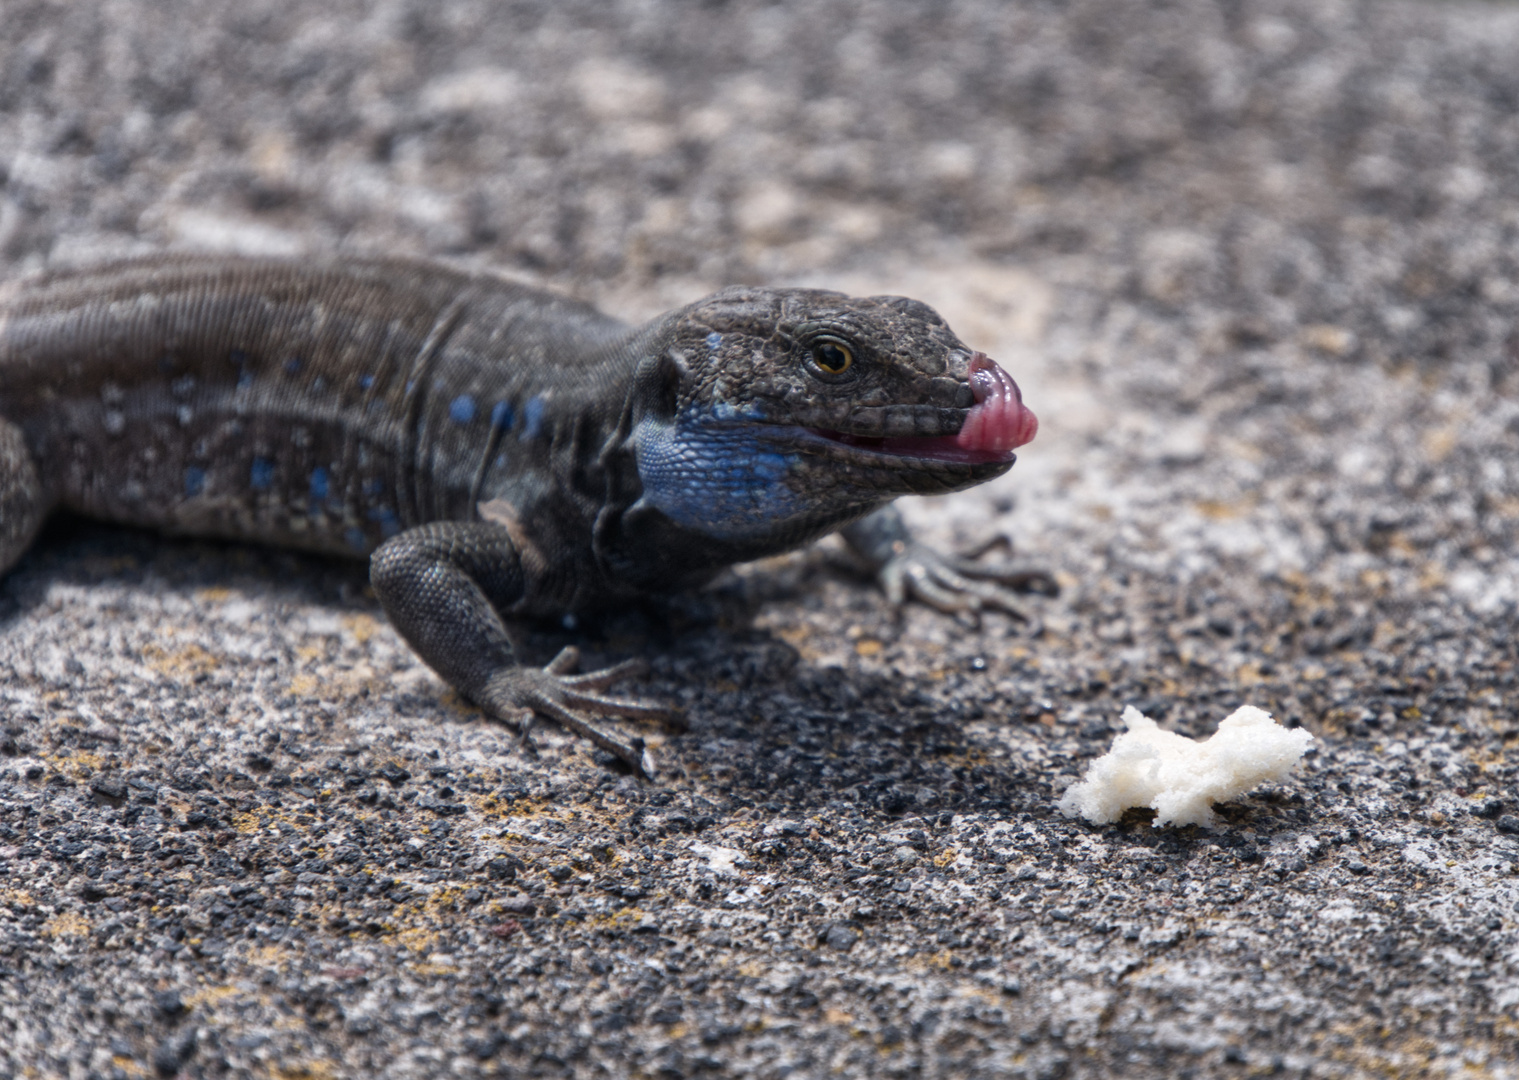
x=1488, y=760
x=945, y=857
x=1218, y=510
x=1439, y=443
x=797, y=637
x=432, y=969
x=867, y=647
x=214, y=595
x=304, y=685
x=1504, y=506
x=315, y=1069
x=492, y=806
x=66, y=924
x=837, y=1016
x=1379, y=1049
x=247, y=822
x=418, y=939
x=311, y=652
x=128, y=1066
x=943, y=960
x=1375, y=580
x=1327, y=338
x=1248, y=674
x=980, y=993
x=267, y=956
x=350, y=683
x=444, y=898
x=79, y=764
x=185, y=663
x=1241, y=449
x=621, y=919
x=362, y=627
x=16, y=898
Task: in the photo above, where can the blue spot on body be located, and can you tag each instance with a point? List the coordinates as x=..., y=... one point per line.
x=238, y=357
x=356, y=538
x=244, y=380
x=292, y=365
x=532, y=414
x=714, y=339
x=411, y=384
x=501, y=415
x=462, y=409
x=262, y=474
x=195, y=481
x=375, y=488
x=366, y=381
x=318, y=483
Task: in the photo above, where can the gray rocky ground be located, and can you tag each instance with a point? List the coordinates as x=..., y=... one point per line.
x=1256, y=265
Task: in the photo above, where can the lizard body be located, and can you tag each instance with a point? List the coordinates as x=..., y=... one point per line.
x=497, y=452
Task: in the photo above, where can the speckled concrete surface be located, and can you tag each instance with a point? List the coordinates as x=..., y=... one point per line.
x=1257, y=267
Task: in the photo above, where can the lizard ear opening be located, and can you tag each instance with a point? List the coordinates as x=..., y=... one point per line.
x=661, y=384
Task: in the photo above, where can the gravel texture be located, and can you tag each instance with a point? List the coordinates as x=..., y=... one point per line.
x=1257, y=267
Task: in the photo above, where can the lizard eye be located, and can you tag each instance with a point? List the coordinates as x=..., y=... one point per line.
x=832, y=357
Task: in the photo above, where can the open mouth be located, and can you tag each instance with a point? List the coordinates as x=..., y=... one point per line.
x=920, y=447
x=994, y=427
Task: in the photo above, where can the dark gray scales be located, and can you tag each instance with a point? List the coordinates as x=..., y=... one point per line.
x=497, y=452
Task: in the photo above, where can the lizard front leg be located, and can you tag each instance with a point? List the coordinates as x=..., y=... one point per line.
x=22, y=502
x=444, y=585
x=907, y=568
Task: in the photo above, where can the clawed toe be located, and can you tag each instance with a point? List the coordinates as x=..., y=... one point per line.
x=1020, y=579
x=960, y=587
x=610, y=676
x=575, y=701
x=632, y=751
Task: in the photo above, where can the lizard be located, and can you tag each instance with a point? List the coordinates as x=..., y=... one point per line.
x=499, y=453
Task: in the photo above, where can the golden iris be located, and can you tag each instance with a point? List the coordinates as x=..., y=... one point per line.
x=832, y=357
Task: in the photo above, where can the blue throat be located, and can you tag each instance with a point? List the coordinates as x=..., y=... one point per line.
x=715, y=474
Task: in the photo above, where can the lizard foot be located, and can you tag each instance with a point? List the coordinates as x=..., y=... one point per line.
x=958, y=586
x=572, y=701
x=1021, y=579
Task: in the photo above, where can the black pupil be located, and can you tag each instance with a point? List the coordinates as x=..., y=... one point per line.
x=832, y=358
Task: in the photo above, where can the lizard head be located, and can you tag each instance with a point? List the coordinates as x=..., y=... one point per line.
x=765, y=406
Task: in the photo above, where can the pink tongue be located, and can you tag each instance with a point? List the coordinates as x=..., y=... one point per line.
x=999, y=421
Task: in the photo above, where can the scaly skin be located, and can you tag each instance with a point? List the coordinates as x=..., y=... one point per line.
x=499, y=453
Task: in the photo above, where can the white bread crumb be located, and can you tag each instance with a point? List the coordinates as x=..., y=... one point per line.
x=1178, y=777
